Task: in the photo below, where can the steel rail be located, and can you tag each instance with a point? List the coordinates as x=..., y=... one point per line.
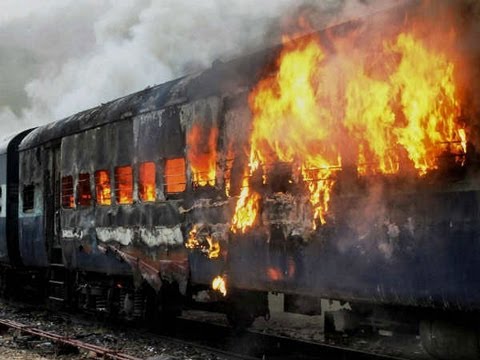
x=106, y=353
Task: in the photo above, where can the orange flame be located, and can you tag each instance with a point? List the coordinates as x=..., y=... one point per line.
x=147, y=179
x=202, y=154
x=219, y=284
x=103, y=187
x=124, y=184
x=246, y=209
x=317, y=108
x=198, y=239
x=175, y=178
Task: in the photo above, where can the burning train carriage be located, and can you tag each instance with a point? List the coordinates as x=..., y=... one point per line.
x=153, y=179
x=114, y=191
x=229, y=176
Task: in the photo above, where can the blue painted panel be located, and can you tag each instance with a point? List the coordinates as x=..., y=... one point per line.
x=427, y=255
x=3, y=241
x=3, y=208
x=32, y=241
x=97, y=261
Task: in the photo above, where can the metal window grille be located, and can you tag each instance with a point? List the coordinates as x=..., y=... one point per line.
x=103, y=187
x=68, y=199
x=84, y=192
x=124, y=185
x=147, y=181
x=175, y=178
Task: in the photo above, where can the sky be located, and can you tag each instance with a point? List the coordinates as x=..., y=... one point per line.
x=58, y=57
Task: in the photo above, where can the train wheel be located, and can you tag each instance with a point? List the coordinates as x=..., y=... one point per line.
x=244, y=306
x=240, y=318
x=450, y=339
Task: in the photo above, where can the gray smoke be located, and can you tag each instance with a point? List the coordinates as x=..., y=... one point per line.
x=58, y=57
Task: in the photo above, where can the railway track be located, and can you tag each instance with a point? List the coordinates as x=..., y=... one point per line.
x=100, y=351
x=254, y=345
x=218, y=341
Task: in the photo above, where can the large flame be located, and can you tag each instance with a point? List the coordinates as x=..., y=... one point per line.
x=319, y=107
x=246, y=209
x=202, y=155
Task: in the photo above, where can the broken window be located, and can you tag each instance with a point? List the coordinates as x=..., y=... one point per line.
x=68, y=200
x=147, y=181
x=175, y=178
x=124, y=184
x=28, y=198
x=103, y=187
x=83, y=190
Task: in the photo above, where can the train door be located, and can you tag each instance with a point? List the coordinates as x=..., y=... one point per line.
x=52, y=203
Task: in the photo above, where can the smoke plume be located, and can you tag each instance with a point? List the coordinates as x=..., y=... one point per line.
x=61, y=57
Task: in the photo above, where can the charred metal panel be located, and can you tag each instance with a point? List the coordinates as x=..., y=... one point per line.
x=109, y=146
x=3, y=208
x=150, y=99
x=31, y=222
x=412, y=249
x=150, y=232
x=32, y=242
x=9, y=172
x=158, y=135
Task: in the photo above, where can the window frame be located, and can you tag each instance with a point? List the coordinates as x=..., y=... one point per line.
x=96, y=176
x=117, y=185
x=63, y=195
x=183, y=175
x=140, y=184
x=79, y=191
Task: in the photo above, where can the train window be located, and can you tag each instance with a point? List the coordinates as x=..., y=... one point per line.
x=124, y=184
x=147, y=181
x=28, y=197
x=103, y=187
x=175, y=177
x=84, y=194
x=68, y=200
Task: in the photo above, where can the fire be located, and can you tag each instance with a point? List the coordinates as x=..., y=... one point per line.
x=290, y=126
x=103, y=187
x=202, y=154
x=321, y=110
x=424, y=81
x=175, y=177
x=219, y=284
x=124, y=184
x=246, y=209
x=463, y=140
x=147, y=179
x=200, y=238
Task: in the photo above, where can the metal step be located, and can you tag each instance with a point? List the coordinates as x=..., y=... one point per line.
x=56, y=282
x=56, y=299
x=57, y=265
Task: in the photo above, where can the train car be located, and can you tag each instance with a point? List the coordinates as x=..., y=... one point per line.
x=143, y=202
x=9, y=246
x=108, y=193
